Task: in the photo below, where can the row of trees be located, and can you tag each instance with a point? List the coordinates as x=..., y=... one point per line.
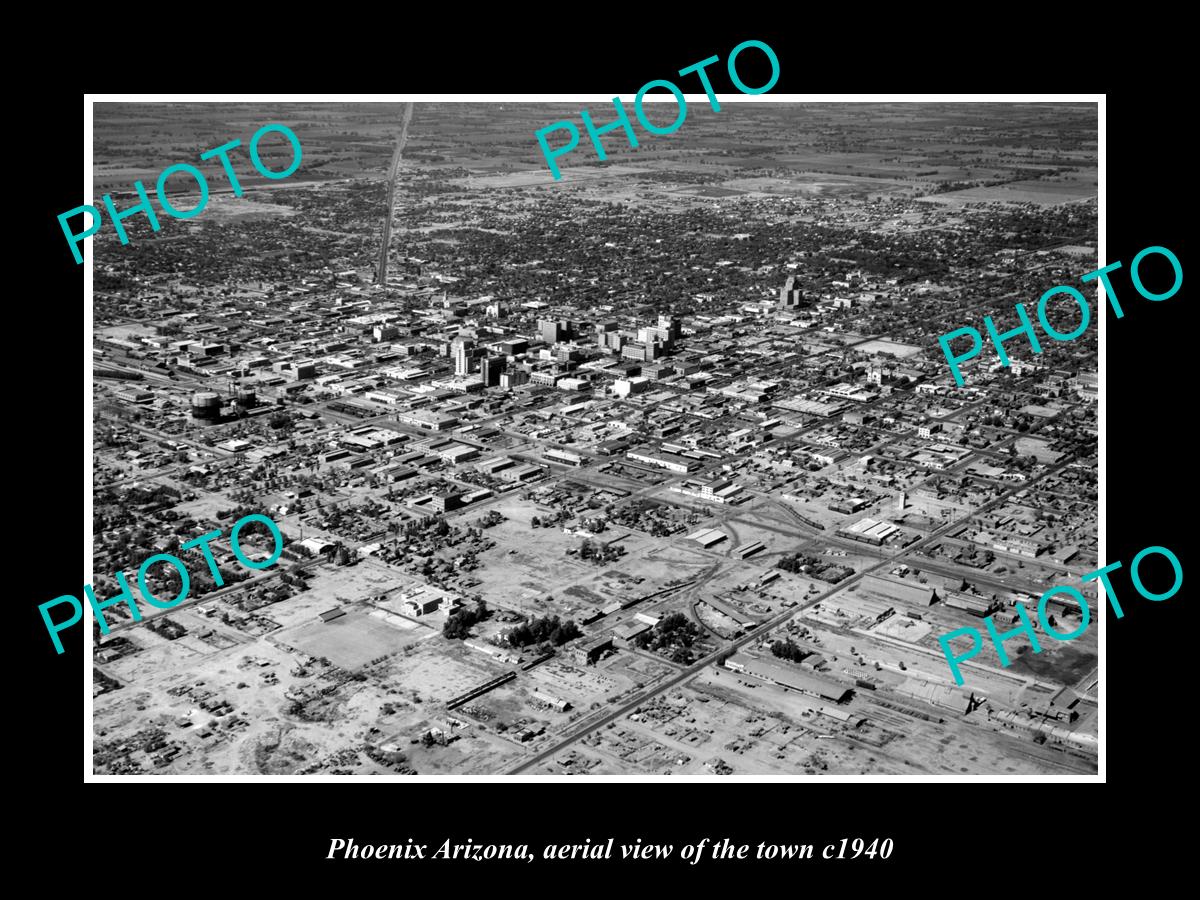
x=547, y=629
x=549, y=521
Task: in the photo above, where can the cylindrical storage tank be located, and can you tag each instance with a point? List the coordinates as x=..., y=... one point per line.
x=246, y=398
x=206, y=405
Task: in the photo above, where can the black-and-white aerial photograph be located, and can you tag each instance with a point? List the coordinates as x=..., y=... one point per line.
x=654, y=468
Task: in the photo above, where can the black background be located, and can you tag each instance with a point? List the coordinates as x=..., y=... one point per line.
x=279, y=833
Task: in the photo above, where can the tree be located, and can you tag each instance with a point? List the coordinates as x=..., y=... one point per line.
x=545, y=630
x=785, y=649
x=458, y=624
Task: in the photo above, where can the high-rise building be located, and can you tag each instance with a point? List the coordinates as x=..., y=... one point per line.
x=672, y=328
x=463, y=354
x=666, y=332
x=603, y=330
x=553, y=331
x=513, y=377
x=790, y=294
x=490, y=368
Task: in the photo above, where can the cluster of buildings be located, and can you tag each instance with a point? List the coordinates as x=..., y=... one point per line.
x=750, y=385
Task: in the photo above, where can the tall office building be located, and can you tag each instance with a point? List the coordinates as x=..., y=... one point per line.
x=553, y=331
x=666, y=332
x=790, y=294
x=463, y=354
x=490, y=368
x=603, y=330
x=671, y=327
x=513, y=378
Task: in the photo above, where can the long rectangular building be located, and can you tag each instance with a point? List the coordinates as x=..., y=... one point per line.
x=906, y=590
x=427, y=420
x=668, y=461
x=789, y=677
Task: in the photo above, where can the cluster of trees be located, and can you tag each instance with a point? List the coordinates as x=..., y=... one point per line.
x=599, y=551
x=795, y=562
x=947, y=186
x=295, y=577
x=814, y=567
x=547, y=629
x=785, y=649
x=168, y=628
x=458, y=624
x=549, y=521
x=436, y=525
x=490, y=518
x=647, y=516
x=976, y=557
x=1022, y=463
x=674, y=635
x=429, y=739
x=394, y=760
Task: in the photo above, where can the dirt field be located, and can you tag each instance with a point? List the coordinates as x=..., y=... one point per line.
x=1038, y=448
x=903, y=351
x=352, y=640
x=756, y=728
